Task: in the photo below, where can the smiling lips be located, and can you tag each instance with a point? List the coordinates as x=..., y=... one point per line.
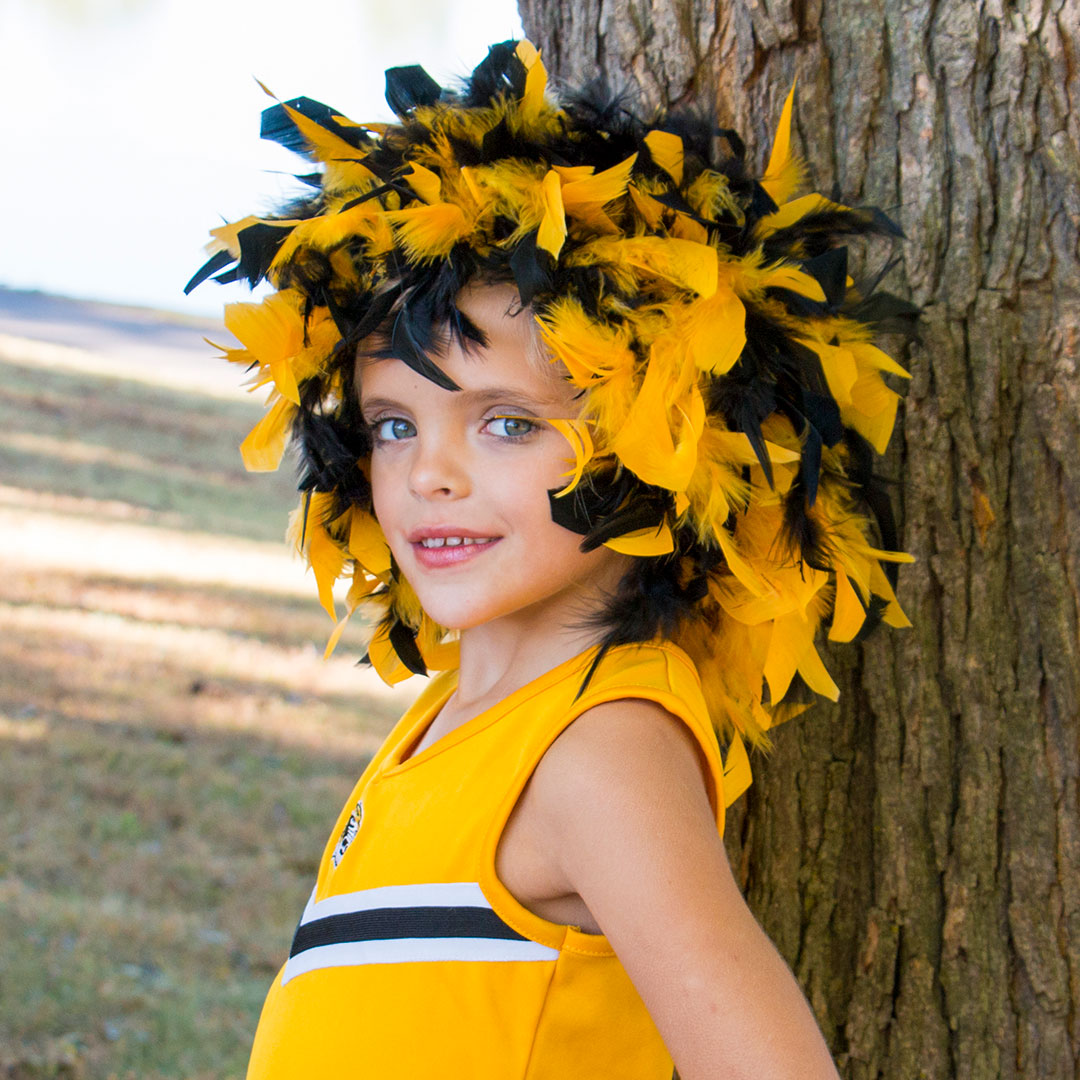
x=444, y=547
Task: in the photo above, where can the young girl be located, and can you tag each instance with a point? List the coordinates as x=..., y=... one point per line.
x=588, y=417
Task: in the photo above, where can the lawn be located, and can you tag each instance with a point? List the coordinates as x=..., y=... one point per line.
x=173, y=749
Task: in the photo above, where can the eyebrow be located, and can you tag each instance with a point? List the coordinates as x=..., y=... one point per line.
x=479, y=396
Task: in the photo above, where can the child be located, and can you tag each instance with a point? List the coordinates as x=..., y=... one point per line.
x=528, y=880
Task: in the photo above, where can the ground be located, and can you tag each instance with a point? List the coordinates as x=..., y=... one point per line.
x=173, y=749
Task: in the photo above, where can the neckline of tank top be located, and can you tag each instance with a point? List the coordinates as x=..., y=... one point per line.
x=396, y=764
x=419, y=728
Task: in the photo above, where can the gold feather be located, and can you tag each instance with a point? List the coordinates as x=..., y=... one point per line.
x=576, y=433
x=429, y=232
x=361, y=587
x=551, y=234
x=264, y=446
x=644, y=543
x=794, y=211
x=367, y=544
x=667, y=151
x=784, y=173
x=597, y=188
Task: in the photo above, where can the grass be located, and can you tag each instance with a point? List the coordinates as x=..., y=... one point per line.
x=162, y=450
x=173, y=749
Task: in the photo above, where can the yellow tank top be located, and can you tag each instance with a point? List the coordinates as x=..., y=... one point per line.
x=412, y=960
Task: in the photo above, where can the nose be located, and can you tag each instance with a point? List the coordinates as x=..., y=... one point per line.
x=439, y=469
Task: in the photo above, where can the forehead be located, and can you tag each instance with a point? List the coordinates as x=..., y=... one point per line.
x=513, y=358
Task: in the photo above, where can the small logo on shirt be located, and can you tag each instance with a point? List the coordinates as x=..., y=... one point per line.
x=348, y=834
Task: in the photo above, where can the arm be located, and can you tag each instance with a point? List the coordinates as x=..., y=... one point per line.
x=621, y=800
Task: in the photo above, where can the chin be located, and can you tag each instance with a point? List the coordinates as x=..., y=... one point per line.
x=457, y=616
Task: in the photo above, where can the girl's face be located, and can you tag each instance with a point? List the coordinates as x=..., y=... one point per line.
x=460, y=479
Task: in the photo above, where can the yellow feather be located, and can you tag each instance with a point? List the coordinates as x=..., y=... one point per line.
x=872, y=412
x=685, y=228
x=367, y=544
x=576, y=433
x=784, y=276
x=687, y=264
x=552, y=231
x=737, y=564
x=710, y=196
x=587, y=348
x=325, y=145
x=737, y=774
x=870, y=356
x=430, y=232
x=328, y=230
x=384, y=659
x=438, y=652
x=649, y=208
x=227, y=237
x=532, y=101
x=644, y=542
x=791, y=649
x=667, y=151
x=264, y=446
x=658, y=443
x=598, y=188
x=848, y=612
x=715, y=330
x=839, y=367
x=425, y=183
x=783, y=174
x=794, y=211
x=361, y=587
x=327, y=559
x=569, y=174
x=273, y=332
x=893, y=615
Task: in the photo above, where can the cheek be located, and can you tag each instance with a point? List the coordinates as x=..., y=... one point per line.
x=385, y=497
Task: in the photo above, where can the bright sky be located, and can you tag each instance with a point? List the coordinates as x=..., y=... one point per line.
x=132, y=126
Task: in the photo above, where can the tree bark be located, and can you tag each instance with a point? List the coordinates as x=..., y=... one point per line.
x=915, y=851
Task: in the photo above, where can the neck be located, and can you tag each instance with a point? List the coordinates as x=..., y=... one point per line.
x=494, y=667
x=501, y=656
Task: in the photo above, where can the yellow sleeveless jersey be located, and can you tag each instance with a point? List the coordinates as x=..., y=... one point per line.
x=412, y=961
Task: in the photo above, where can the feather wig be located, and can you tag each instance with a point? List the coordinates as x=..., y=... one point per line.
x=732, y=398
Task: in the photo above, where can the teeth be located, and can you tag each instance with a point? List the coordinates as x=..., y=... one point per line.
x=453, y=541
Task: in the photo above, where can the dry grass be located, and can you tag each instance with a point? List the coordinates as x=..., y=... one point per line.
x=172, y=747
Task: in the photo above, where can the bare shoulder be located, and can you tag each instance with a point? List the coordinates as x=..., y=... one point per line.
x=622, y=805
x=618, y=754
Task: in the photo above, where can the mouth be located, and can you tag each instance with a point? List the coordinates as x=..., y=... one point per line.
x=438, y=547
x=455, y=541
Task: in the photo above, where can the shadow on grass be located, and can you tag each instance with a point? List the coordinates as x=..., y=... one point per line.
x=170, y=452
x=150, y=885
x=173, y=753
x=280, y=620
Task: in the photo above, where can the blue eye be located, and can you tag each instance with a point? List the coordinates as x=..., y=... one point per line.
x=510, y=427
x=392, y=429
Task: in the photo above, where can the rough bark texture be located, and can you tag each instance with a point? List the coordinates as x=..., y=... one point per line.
x=915, y=852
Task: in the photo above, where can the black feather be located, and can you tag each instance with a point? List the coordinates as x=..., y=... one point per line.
x=403, y=640
x=259, y=244
x=277, y=126
x=407, y=87
x=410, y=348
x=210, y=267
x=500, y=72
x=802, y=532
x=532, y=268
x=830, y=270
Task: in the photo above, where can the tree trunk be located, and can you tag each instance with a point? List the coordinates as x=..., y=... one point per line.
x=915, y=851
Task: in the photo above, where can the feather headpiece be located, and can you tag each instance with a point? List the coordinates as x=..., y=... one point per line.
x=733, y=400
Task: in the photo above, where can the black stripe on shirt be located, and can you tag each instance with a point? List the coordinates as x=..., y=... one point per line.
x=382, y=924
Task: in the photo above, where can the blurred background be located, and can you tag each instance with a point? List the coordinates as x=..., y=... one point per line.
x=173, y=749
